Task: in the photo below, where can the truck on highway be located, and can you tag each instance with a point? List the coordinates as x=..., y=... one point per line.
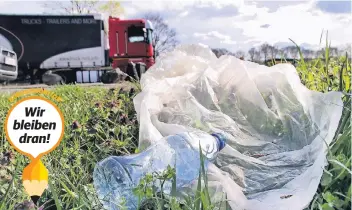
x=75, y=48
x=8, y=65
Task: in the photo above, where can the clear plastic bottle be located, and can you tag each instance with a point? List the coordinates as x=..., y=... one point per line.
x=115, y=177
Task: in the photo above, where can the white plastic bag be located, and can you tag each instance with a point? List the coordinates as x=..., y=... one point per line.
x=276, y=154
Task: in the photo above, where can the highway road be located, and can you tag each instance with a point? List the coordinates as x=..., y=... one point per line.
x=11, y=88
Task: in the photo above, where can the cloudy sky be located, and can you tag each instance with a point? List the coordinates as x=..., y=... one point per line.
x=238, y=24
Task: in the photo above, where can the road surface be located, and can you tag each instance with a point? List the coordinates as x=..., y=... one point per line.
x=8, y=89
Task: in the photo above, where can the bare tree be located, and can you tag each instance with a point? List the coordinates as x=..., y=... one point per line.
x=333, y=51
x=307, y=53
x=72, y=7
x=293, y=51
x=264, y=48
x=221, y=51
x=240, y=54
x=257, y=56
x=320, y=53
x=251, y=53
x=164, y=37
x=273, y=51
x=311, y=53
x=283, y=53
x=110, y=8
x=340, y=52
x=346, y=48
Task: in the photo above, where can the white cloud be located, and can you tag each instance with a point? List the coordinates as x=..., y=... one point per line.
x=222, y=38
x=21, y=7
x=301, y=22
x=250, y=9
x=184, y=14
x=229, y=42
x=234, y=24
x=243, y=24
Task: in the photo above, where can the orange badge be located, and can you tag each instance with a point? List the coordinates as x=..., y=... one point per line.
x=34, y=126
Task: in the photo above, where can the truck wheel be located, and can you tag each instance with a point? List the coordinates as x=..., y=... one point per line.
x=110, y=77
x=4, y=82
x=52, y=79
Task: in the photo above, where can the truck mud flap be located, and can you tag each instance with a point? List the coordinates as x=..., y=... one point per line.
x=135, y=71
x=141, y=68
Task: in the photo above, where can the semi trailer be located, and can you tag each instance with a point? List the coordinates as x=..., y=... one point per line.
x=75, y=48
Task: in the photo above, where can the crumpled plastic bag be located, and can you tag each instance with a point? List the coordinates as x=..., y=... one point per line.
x=279, y=130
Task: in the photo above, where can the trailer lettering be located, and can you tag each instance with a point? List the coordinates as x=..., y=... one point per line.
x=58, y=21
x=69, y=21
x=69, y=59
x=90, y=58
x=86, y=58
x=64, y=21
x=76, y=21
x=31, y=21
x=89, y=21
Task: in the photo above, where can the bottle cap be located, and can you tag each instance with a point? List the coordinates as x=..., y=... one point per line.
x=221, y=139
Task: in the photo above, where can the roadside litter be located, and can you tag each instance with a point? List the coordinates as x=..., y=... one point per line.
x=116, y=176
x=276, y=129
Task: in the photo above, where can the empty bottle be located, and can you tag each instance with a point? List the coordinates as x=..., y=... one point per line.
x=115, y=177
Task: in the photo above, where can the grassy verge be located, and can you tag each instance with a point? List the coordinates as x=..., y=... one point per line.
x=333, y=74
x=101, y=122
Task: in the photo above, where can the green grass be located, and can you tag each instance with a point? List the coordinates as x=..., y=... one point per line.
x=101, y=122
x=333, y=74
x=98, y=123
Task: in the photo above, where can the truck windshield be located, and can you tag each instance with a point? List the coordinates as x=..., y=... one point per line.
x=150, y=36
x=136, y=34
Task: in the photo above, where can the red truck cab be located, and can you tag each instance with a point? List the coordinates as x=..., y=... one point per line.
x=130, y=40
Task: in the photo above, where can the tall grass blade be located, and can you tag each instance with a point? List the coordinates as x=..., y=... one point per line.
x=205, y=178
x=3, y=199
x=300, y=55
x=346, y=115
x=340, y=174
x=173, y=187
x=348, y=86
x=341, y=74
x=340, y=145
x=348, y=196
x=199, y=189
x=205, y=201
x=56, y=198
x=314, y=202
x=321, y=36
x=327, y=59
x=342, y=165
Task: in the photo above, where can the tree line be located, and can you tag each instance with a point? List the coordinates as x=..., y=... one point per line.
x=267, y=52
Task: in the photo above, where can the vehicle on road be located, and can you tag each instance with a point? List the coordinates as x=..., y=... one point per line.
x=54, y=49
x=8, y=65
